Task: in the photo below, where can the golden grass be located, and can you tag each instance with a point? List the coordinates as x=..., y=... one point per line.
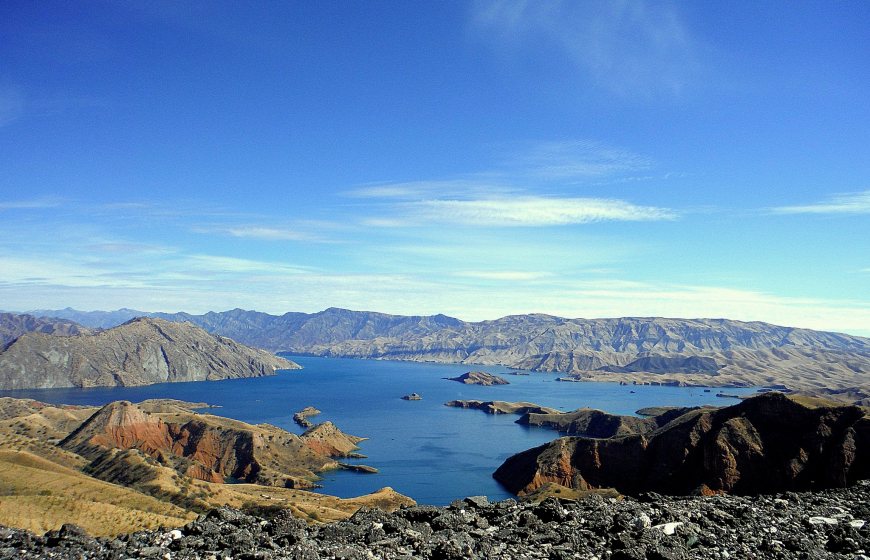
x=41, y=448
x=42, y=485
x=552, y=489
x=39, y=495
x=810, y=401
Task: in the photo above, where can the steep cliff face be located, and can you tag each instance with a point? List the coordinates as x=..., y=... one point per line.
x=765, y=444
x=140, y=352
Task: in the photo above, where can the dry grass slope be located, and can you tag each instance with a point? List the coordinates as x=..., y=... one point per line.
x=43, y=485
x=39, y=495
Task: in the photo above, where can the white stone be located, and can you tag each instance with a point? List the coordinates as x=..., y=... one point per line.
x=857, y=523
x=175, y=534
x=642, y=521
x=668, y=528
x=819, y=520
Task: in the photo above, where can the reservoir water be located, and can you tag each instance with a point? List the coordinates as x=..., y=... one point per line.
x=423, y=449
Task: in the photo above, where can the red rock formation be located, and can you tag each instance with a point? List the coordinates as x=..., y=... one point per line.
x=326, y=439
x=212, y=449
x=122, y=425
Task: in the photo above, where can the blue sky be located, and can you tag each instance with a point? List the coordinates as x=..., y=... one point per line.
x=584, y=159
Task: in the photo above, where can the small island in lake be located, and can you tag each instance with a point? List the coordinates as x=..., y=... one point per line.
x=479, y=378
x=301, y=417
x=502, y=407
x=413, y=397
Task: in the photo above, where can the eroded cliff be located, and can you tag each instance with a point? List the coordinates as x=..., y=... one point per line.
x=768, y=443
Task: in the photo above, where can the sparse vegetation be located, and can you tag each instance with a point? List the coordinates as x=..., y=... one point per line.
x=43, y=485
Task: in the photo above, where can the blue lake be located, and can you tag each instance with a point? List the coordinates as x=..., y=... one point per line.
x=423, y=449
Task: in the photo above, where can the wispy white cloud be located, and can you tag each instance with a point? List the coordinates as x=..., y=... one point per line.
x=313, y=231
x=528, y=211
x=269, y=234
x=579, y=159
x=624, y=46
x=503, y=275
x=852, y=203
x=33, y=204
x=471, y=187
x=200, y=282
x=218, y=264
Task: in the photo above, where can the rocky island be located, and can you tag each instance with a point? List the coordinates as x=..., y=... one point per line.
x=140, y=352
x=479, y=378
x=502, y=407
x=302, y=416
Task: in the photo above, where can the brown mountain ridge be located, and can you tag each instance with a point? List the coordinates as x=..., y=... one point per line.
x=139, y=352
x=768, y=443
x=708, y=352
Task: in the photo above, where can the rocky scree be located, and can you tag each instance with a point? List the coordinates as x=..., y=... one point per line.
x=819, y=525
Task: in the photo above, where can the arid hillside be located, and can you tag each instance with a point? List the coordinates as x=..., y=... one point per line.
x=125, y=466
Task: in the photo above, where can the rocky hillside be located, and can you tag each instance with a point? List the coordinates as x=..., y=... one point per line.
x=209, y=448
x=125, y=466
x=828, y=525
x=139, y=352
x=13, y=325
x=642, y=349
x=768, y=443
x=594, y=423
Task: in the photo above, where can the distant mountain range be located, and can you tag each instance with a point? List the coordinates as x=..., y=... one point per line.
x=13, y=325
x=632, y=349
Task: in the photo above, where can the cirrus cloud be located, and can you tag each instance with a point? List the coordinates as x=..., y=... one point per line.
x=851, y=203
x=526, y=211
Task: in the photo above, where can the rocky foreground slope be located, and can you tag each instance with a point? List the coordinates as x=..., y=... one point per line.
x=140, y=352
x=833, y=524
x=764, y=444
x=644, y=349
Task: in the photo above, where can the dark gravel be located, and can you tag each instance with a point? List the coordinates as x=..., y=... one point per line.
x=817, y=525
